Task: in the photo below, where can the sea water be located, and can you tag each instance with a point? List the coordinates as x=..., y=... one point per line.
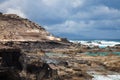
x=100, y=43
x=106, y=77
x=101, y=53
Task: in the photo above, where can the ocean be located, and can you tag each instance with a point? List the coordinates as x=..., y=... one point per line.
x=102, y=43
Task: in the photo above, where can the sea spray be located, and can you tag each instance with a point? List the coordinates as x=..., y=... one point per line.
x=99, y=43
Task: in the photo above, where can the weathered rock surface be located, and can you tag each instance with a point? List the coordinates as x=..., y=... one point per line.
x=21, y=49
x=20, y=32
x=18, y=65
x=15, y=28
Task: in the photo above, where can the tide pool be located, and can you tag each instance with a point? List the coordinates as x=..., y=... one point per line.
x=101, y=53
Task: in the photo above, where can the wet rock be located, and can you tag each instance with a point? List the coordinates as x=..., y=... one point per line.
x=117, y=45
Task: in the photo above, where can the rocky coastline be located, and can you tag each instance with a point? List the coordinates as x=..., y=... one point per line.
x=29, y=52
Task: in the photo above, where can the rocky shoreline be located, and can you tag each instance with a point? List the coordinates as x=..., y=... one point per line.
x=29, y=52
x=54, y=62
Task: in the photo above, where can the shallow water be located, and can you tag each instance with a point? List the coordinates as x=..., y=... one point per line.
x=101, y=53
x=106, y=77
x=100, y=76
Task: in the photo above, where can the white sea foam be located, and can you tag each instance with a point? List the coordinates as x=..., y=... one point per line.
x=99, y=76
x=106, y=77
x=100, y=43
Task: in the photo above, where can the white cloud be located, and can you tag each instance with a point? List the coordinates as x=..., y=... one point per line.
x=13, y=7
x=77, y=3
x=71, y=27
x=86, y=27
x=50, y=2
x=15, y=11
x=98, y=12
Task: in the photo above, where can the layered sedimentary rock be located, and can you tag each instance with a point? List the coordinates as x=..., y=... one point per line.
x=15, y=28
x=22, y=46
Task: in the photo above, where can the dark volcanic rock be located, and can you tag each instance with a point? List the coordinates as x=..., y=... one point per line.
x=18, y=65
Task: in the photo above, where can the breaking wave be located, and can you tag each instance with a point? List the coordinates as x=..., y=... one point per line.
x=100, y=43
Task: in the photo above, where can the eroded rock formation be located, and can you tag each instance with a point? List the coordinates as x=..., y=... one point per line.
x=22, y=46
x=18, y=65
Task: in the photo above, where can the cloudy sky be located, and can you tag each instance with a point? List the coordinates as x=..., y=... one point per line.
x=73, y=19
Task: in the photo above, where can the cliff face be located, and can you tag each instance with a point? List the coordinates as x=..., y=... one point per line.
x=15, y=28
